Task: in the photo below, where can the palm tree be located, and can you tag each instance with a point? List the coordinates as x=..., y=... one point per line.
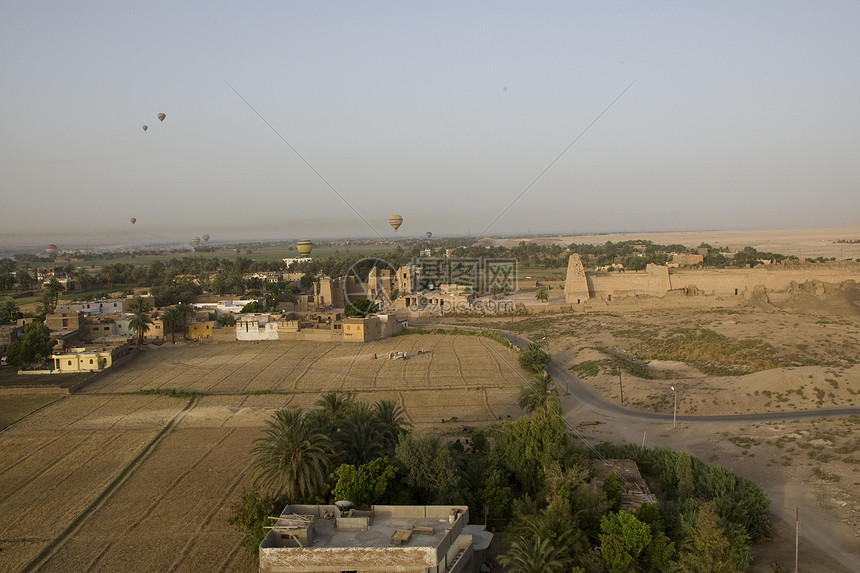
x=534, y=555
x=362, y=437
x=53, y=288
x=9, y=311
x=293, y=457
x=186, y=311
x=542, y=295
x=171, y=318
x=334, y=407
x=393, y=420
x=534, y=394
x=139, y=321
x=23, y=277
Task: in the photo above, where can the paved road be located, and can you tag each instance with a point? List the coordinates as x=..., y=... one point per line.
x=568, y=383
x=584, y=394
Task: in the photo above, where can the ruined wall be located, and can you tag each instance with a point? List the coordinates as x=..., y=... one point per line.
x=653, y=281
x=659, y=280
x=777, y=278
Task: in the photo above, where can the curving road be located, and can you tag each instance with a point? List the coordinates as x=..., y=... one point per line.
x=825, y=541
x=582, y=392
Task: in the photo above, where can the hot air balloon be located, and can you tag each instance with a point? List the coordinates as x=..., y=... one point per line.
x=145, y=127
x=133, y=220
x=195, y=241
x=429, y=234
x=205, y=237
x=51, y=249
x=395, y=221
x=161, y=117
x=305, y=247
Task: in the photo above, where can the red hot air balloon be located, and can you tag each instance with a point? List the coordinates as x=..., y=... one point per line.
x=51, y=248
x=161, y=117
x=133, y=220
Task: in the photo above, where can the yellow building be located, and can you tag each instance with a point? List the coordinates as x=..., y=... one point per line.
x=156, y=331
x=200, y=330
x=87, y=360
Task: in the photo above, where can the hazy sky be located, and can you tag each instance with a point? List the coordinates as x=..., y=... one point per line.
x=741, y=115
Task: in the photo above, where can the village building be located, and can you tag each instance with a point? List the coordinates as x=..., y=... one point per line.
x=9, y=333
x=200, y=330
x=401, y=538
x=84, y=359
x=94, y=307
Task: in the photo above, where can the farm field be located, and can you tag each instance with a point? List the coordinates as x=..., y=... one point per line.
x=113, y=479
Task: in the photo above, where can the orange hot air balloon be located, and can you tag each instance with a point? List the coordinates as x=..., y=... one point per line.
x=161, y=116
x=395, y=221
x=133, y=220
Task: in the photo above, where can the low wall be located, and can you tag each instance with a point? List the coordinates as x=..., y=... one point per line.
x=658, y=281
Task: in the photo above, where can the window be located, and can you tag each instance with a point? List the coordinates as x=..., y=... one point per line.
x=91, y=360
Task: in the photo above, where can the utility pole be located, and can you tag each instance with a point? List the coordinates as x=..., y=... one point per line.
x=621, y=384
x=675, y=408
x=796, y=537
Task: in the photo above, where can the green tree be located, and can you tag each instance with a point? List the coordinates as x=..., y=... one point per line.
x=393, y=422
x=534, y=394
x=613, y=490
x=293, y=457
x=684, y=473
x=534, y=555
x=532, y=444
x=360, y=307
x=172, y=319
x=23, y=277
x=35, y=346
x=542, y=295
x=47, y=303
x=430, y=468
x=364, y=485
x=251, y=514
x=227, y=320
x=252, y=307
x=53, y=288
x=496, y=496
x=139, y=322
x=9, y=312
x=533, y=358
x=361, y=437
x=622, y=541
x=706, y=548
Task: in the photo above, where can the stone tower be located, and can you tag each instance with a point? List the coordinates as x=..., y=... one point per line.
x=575, y=284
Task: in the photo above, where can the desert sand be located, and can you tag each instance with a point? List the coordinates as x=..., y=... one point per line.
x=802, y=243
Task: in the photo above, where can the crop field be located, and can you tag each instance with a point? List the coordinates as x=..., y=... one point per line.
x=113, y=479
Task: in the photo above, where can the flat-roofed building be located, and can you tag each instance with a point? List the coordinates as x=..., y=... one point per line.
x=402, y=538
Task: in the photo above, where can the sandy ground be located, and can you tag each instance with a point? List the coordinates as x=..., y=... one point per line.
x=802, y=243
x=807, y=466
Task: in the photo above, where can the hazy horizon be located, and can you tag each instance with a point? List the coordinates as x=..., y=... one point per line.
x=739, y=116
